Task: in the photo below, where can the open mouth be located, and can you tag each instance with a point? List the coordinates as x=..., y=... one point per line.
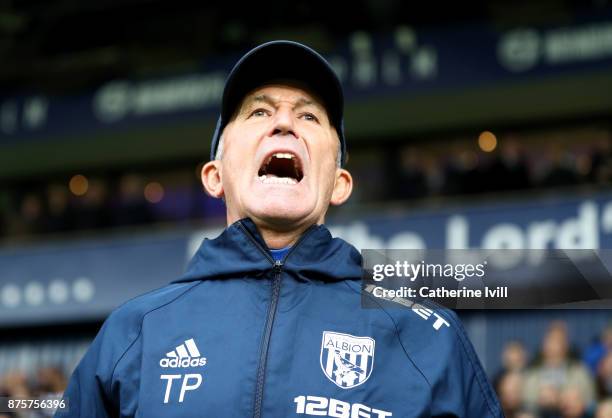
x=281, y=168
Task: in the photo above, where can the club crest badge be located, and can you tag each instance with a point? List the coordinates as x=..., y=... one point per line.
x=347, y=360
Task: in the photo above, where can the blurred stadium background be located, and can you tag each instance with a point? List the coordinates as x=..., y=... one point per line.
x=470, y=124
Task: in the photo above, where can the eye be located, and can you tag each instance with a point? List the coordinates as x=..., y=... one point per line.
x=259, y=112
x=310, y=117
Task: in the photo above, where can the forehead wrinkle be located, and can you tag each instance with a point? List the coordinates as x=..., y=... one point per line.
x=300, y=102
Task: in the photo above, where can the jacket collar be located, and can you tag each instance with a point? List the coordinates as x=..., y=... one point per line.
x=240, y=251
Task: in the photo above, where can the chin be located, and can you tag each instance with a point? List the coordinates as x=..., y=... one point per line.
x=283, y=213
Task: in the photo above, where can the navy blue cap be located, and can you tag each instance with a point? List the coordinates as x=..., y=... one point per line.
x=282, y=60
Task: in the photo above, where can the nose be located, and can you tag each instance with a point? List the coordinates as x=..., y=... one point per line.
x=283, y=123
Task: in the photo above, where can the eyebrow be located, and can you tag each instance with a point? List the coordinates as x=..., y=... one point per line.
x=301, y=102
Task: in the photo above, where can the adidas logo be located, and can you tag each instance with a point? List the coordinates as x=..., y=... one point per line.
x=185, y=355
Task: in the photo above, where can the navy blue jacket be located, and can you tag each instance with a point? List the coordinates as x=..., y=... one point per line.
x=240, y=335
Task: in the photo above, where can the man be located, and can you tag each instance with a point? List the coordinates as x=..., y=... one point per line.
x=267, y=321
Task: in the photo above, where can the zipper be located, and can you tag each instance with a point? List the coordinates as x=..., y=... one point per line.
x=263, y=353
x=257, y=244
x=277, y=268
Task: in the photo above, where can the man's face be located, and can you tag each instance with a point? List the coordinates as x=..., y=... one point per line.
x=278, y=163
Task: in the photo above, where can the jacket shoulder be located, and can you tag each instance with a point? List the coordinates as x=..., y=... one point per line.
x=122, y=328
x=130, y=314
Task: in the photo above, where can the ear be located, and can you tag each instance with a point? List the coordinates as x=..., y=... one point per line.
x=343, y=186
x=211, y=178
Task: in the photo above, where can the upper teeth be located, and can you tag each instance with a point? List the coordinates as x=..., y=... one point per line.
x=283, y=155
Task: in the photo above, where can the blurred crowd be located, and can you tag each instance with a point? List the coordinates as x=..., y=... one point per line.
x=46, y=383
x=103, y=202
x=559, y=381
x=514, y=164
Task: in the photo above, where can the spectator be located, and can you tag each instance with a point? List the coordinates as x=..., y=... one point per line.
x=554, y=372
x=30, y=215
x=572, y=403
x=604, y=410
x=50, y=384
x=50, y=381
x=514, y=359
x=462, y=173
x=595, y=352
x=601, y=166
x=46, y=383
x=563, y=168
x=58, y=216
x=131, y=208
x=15, y=385
x=509, y=169
x=434, y=176
x=509, y=389
x=92, y=209
x=410, y=177
x=5, y=204
x=604, y=376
